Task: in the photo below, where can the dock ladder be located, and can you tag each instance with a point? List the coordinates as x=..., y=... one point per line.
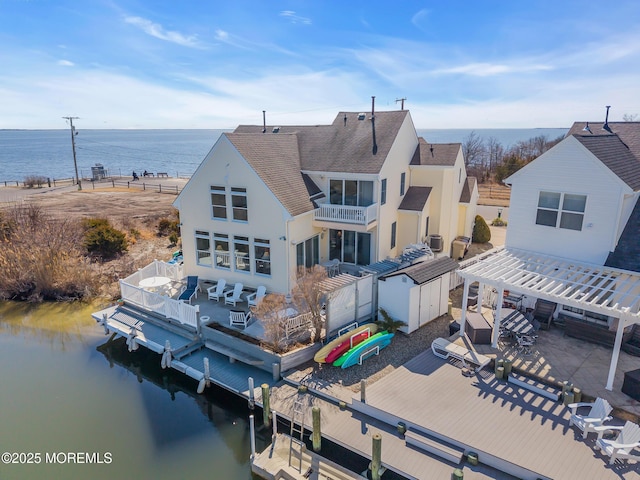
x=297, y=430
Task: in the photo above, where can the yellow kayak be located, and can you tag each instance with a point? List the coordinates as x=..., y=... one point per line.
x=321, y=355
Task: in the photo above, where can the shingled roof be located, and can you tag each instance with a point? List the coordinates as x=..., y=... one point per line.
x=615, y=155
x=467, y=188
x=415, y=199
x=439, y=154
x=276, y=161
x=627, y=252
x=348, y=145
x=424, y=272
x=629, y=132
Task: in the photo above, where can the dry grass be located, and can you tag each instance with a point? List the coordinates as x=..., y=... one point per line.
x=494, y=194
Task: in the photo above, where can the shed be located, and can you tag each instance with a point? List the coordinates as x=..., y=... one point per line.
x=417, y=294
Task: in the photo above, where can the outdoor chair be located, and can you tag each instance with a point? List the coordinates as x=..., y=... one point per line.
x=597, y=415
x=190, y=290
x=232, y=297
x=543, y=313
x=627, y=439
x=217, y=291
x=254, y=299
x=239, y=318
x=525, y=342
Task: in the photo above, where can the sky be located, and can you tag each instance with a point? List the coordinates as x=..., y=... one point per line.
x=216, y=64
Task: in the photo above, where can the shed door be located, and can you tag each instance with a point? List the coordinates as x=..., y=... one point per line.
x=430, y=300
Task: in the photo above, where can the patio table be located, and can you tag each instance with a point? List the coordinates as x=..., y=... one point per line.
x=153, y=283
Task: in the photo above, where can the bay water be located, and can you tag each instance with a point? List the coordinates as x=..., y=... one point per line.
x=49, y=153
x=74, y=405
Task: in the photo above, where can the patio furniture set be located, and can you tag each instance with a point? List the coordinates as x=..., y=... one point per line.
x=515, y=328
x=593, y=421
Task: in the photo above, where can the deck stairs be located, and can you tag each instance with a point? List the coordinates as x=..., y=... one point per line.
x=435, y=446
x=233, y=353
x=297, y=431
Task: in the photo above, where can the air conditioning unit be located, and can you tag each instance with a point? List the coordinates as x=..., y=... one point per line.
x=435, y=243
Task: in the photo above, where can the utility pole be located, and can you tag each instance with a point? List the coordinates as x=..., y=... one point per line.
x=73, y=146
x=401, y=100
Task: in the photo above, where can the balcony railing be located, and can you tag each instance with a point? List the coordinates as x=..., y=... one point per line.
x=347, y=213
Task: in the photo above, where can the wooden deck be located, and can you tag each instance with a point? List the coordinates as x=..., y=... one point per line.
x=504, y=424
x=353, y=430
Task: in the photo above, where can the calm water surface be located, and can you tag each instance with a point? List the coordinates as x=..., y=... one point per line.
x=66, y=390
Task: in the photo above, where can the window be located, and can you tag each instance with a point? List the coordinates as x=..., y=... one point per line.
x=383, y=192
x=239, y=203
x=351, y=192
x=241, y=253
x=218, y=202
x=203, y=248
x=308, y=252
x=350, y=247
x=393, y=235
x=402, y=180
x=262, y=256
x=561, y=210
x=221, y=251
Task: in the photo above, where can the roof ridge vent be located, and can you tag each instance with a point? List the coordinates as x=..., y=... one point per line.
x=362, y=116
x=275, y=130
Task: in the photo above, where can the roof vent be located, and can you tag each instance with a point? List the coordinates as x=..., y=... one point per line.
x=362, y=116
x=606, y=121
x=275, y=129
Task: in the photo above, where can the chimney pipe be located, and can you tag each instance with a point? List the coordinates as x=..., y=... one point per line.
x=373, y=107
x=606, y=121
x=345, y=119
x=264, y=121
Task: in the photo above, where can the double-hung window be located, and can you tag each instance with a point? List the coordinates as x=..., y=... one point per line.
x=241, y=253
x=561, y=210
x=203, y=248
x=262, y=256
x=239, y=203
x=219, y=202
x=221, y=251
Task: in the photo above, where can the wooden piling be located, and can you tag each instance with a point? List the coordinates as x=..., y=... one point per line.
x=363, y=391
x=316, y=436
x=376, y=456
x=266, y=409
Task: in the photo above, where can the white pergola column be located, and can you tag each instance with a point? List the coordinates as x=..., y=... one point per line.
x=497, y=316
x=616, y=353
x=465, y=299
x=480, y=291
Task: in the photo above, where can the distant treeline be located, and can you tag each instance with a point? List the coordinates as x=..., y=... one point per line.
x=489, y=161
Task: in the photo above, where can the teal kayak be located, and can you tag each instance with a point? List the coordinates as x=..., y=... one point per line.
x=352, y=357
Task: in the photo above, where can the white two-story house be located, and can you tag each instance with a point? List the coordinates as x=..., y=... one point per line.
x=267, y=200
x=573, y=233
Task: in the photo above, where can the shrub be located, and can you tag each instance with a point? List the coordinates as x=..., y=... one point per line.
x=101, y=238
x=167, y=226
x=173, y=238
x=481, y=231
x=34, y=181
x=388, y=323
x=498, y=222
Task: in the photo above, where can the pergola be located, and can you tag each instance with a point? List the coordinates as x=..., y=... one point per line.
x=609, y=291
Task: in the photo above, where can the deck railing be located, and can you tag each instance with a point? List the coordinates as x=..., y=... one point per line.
x=346, y=213
x=183, y=312
x=157, y=269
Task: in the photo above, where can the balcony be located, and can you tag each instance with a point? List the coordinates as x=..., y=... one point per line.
x=329, y=215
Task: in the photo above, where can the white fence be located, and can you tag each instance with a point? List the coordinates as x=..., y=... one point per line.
x=156, y=269
x=183, y=312
x=350, y=302
x=163, y=305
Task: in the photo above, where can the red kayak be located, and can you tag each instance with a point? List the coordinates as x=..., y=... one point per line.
x=346, y=345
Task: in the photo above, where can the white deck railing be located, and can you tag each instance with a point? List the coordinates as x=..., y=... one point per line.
x=156, y=269
x=346, y=213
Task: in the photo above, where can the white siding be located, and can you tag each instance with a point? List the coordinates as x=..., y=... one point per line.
x=566, y=168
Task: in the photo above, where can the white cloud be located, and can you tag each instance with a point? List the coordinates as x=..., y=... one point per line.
x=158, y=31
x=490, y=69
x=65, y=63
x=419, y=18
x=222, y=35
x=295, y=19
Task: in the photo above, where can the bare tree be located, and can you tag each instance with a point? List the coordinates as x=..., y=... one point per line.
x=308, y=295
x=272, y=311
x=472, y=149
x=629, y=117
